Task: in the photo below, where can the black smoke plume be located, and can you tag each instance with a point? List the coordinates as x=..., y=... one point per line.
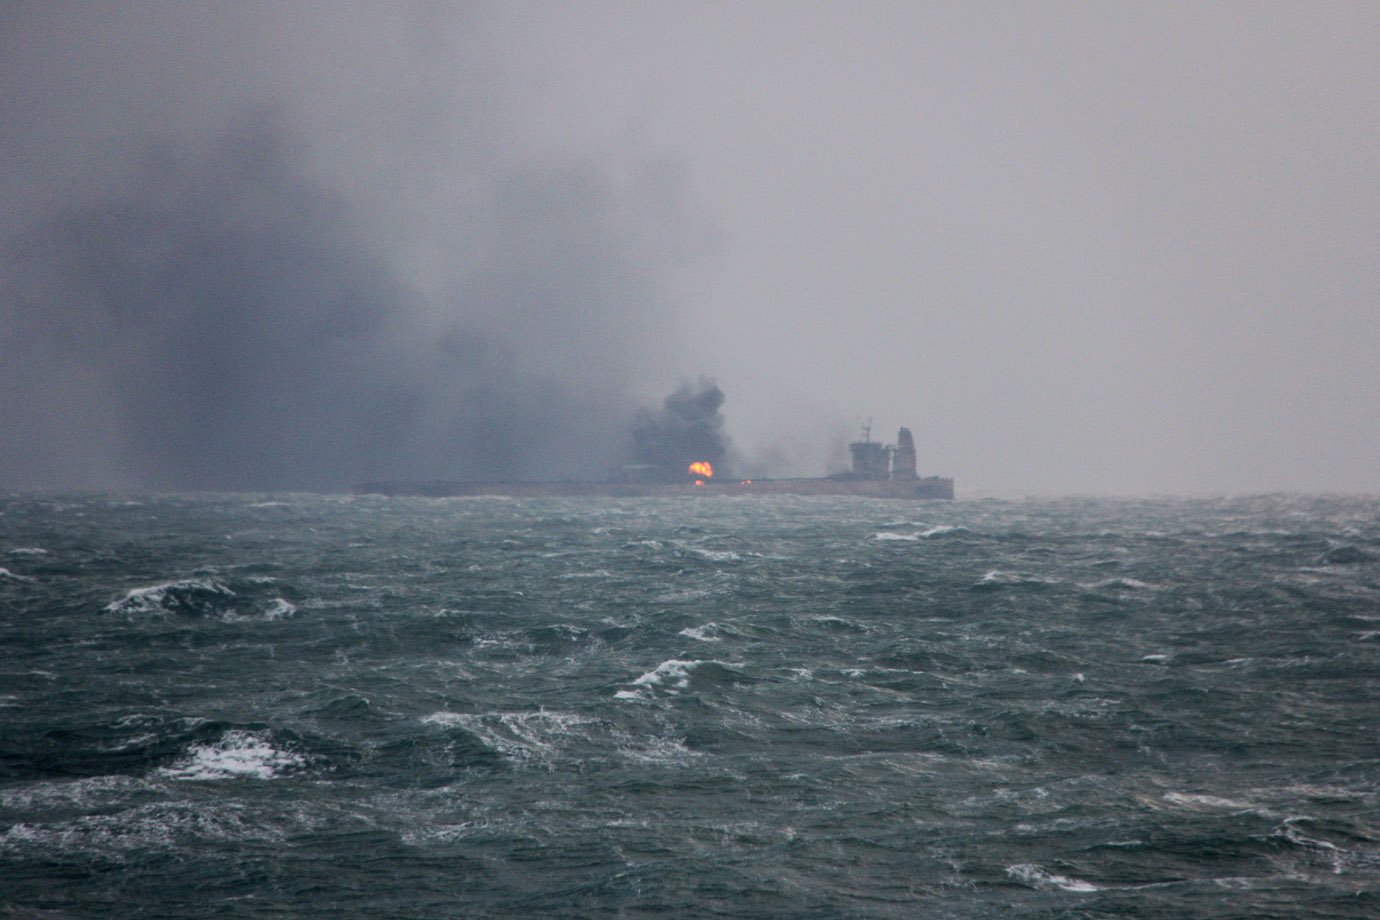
x=224, y=325
x=273, y=246
x=687, y=428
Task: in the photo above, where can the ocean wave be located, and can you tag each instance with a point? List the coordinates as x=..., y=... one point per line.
x=659, y=751
x=714, y=555
x=1120, y=584
x=1344, y=555
x=1194, y=801
x=595, y=573
x=839, y=624
x=717, y=584
x=999, y=579
x=1035, y=877
x=703, y=633
x=943, y=530
x=187, y=596
x=157, y=826
x=279, y=608
x=674, y=675
x=544, y=738
x=88, y=792
x=237, y=755
x=521, y=736
x=7, y=575
x=1219, y=738
x=198, y=597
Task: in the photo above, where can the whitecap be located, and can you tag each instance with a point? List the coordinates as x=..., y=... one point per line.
x=169, y=594
x=942, y=530
x=6, y=574
x=1289, y=831
x=1123, y=584
x=675, y=670
x=1199, y=802
x=888, y=535
x=279, y=608
x=672, y=675
x=839, y=623
x=716, y=555
x=661, y=751
x=702, y=633
x=237, y=755
x=521, y=736
x=996, y=578
x=28, y=551
x=1041, y=878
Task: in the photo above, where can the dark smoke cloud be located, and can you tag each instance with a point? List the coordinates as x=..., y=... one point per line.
x=688, y=427
x=234, y=297
x=234, y=328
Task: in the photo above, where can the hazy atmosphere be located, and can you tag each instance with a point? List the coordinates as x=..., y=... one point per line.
x=1074, y=247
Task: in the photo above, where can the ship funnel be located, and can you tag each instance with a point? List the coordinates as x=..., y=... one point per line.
x=903, y=456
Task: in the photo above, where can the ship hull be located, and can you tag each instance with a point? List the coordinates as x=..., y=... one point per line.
x=927, y=488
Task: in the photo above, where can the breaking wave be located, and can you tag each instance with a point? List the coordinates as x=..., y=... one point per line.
x=237, y=755
x=190, y=597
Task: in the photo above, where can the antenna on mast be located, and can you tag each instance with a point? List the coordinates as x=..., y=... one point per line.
x=867, y=430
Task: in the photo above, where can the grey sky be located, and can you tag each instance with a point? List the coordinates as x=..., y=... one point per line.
x=1075, y=247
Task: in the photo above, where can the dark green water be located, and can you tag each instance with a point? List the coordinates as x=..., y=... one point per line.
x=755, y=707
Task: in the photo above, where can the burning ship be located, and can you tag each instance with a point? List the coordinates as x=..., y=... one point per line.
x=681, y=450
x=878, y=471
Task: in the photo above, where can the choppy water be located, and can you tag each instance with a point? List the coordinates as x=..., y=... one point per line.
x=758, y=707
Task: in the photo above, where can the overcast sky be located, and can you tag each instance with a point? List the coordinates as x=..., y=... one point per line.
x=1076, y=247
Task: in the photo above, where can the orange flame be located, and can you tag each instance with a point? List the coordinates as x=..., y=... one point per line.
x=702, y=468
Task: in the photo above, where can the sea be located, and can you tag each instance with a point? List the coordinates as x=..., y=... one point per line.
x=770, y=706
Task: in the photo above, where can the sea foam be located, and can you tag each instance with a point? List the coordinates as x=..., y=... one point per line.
x=1036, y=877
x=520, y=736
x=672, y=675
x=237, y=755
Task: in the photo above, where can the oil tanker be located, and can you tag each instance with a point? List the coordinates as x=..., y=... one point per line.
x=878, y=471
